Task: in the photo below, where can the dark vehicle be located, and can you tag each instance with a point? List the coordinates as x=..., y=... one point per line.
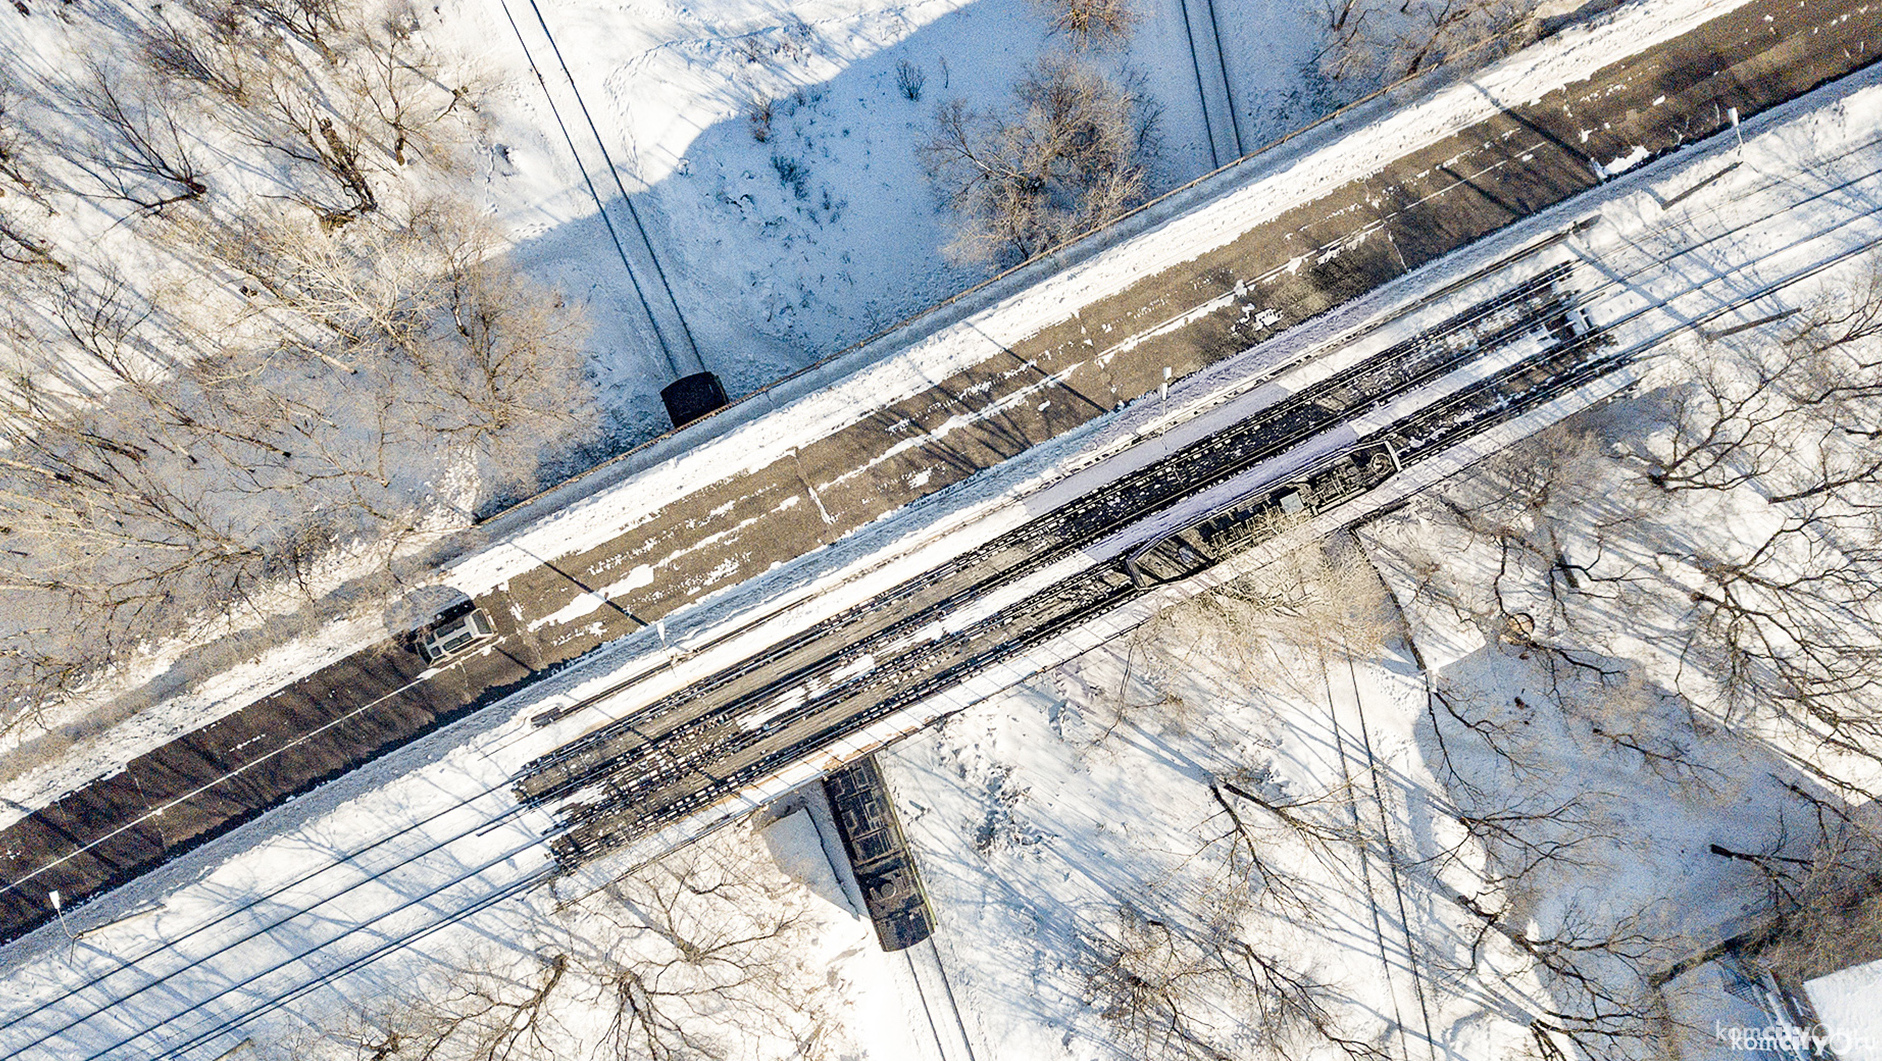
x=885, y=868
x=1262, y=515
x=691, y=397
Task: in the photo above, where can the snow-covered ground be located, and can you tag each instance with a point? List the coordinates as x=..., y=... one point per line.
x=825, y=232
x=1043, y=815
x=785, y=249
x=1053, y=818
x=1025, y=816
x=769, y=280
x=779, y=252
x=1845, y=1003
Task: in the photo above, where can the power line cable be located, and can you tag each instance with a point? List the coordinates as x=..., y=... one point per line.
x=1610, y=283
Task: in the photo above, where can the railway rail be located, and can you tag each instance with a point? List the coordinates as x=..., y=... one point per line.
x=1591, y=366
x=679, y=769
x=395, y=939
x=1752, y=58
x=1050, y=538
x=1024, y=543
x=109, y=987
x=652, y=785
x=1036, y=617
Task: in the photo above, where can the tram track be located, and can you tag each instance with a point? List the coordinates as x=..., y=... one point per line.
x=710, y=749
x=1024, y=539
x=808, y=724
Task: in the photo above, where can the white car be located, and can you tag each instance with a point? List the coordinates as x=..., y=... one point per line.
x=447, y=639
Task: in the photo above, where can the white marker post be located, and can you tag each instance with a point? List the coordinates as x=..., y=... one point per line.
x=57, y=908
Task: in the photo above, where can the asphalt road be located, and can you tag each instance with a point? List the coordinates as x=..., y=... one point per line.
x=1531, y=156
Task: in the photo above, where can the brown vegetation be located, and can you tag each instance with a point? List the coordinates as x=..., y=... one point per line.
x=1075, y=153
x=334, y=364
x=697, y=957
x=1093, y=23
x=1381, y=41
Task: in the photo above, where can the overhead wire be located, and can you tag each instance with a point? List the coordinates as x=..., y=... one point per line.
x=400, y=941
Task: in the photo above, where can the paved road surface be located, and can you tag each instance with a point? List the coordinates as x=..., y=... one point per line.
x=1273, y=276
x=418, y=848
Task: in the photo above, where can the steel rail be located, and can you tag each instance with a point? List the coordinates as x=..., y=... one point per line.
x=1724, y=309
x=1579, y=368
x=979, y=555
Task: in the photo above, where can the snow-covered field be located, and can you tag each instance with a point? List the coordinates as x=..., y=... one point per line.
x=779, y=252
x=784, y=250
x=769, y=279
x=1131, y=805
x=1046, y=819
x=677, y=113
x=1066, y=814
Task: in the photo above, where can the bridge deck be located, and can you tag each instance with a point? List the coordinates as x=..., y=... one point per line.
x=1272, y=275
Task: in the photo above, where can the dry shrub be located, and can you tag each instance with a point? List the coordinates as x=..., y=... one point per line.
x=1093, y=23
x=1381, y=41
x=1195, y=984
x=1075, y=154
x=1320, y=601
x=368, y=366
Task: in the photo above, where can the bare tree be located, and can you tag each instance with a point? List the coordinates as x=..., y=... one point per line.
x=217, y=50
x=1156, y=988
x=472, y=351
x=1791, y=413
x=1260, y=822
x=1596, y=969
x=380, y=98
x=144, y=157
x=312, y=22
x=1181, y=986
x=320, y=143
x=14, y=171
x=1323, y=599
x=19, y=244
x=1517, y=829
x=1789, y=623
x=909, y=80
x=693, y=958
x=703, y=936
x=1772, y=630
x=510, y=370
x=1385, y=40
x=1826, y=904
x=142, y=490
x=1075, y=155
x=1093, y=23
x=405, y=84
x=172, y=458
